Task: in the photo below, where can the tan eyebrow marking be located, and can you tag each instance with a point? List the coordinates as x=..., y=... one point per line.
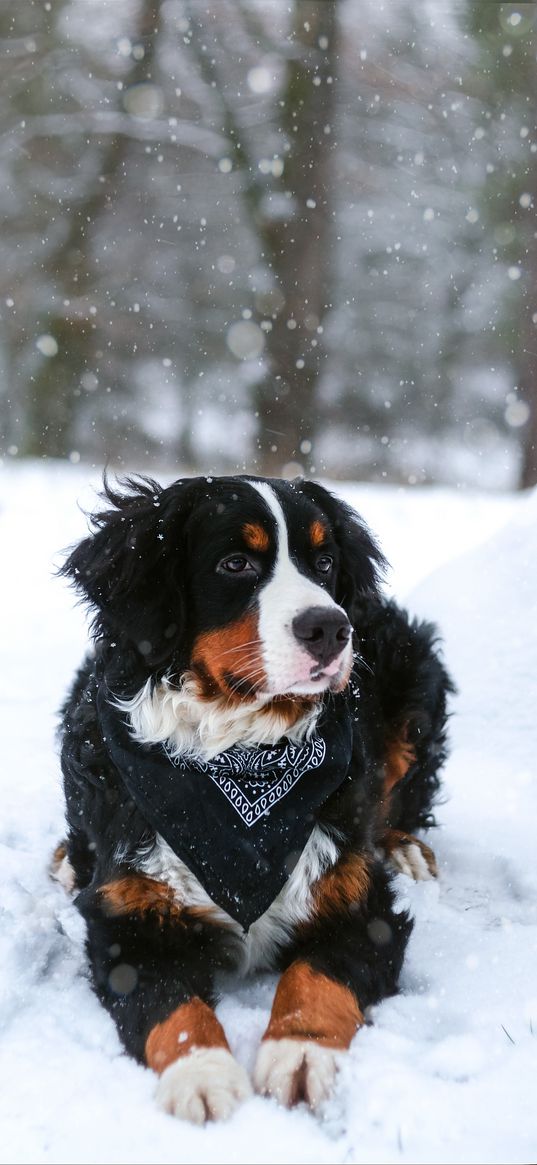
x=317, y=533
x=255, y=536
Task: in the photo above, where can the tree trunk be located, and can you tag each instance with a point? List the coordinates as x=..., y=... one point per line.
x=528, y=475
x=297, y=245
x=53, y=392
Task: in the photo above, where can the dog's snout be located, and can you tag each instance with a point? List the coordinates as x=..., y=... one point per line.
x=323, y=632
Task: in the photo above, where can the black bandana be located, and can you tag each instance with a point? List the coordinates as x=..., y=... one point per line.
x=241, y=820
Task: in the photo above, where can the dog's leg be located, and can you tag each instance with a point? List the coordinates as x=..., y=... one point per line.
x=404, y=852
x=61, y=870
x=313, y=1020
x=199, y=1078
x=346, y=958
x=408, y=855
x=153, y=964
x=72, y=864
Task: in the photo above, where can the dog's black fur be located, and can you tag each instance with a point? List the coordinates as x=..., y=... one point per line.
x=146, y=573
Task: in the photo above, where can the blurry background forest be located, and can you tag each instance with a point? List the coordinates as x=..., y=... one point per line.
x=273, y=235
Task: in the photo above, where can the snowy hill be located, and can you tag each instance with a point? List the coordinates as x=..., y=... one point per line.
x=446, y=1072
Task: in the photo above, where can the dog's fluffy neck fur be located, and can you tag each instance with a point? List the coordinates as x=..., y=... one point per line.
x=192, y=725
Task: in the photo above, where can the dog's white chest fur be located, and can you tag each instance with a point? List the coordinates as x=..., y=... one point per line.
x=260, y=944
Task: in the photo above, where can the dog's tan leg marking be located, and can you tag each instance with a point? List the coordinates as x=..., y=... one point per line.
x=409, y=855
x=191, y=1026
x=140, y=894
x=313, y=1021
x=400, y=756
x=405, y=852
x=346, y=884
x=199, y=1078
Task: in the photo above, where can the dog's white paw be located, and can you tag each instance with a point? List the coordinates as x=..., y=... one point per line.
x=415, y=859
x=62, y=871
x=207, y=1084
x=291, y=1070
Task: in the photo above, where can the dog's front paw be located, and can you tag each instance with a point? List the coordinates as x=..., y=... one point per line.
x=207, y=1084
x=412, y=857
x=292, y=1070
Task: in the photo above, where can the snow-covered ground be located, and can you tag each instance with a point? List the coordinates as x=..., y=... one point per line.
x=447, y=1071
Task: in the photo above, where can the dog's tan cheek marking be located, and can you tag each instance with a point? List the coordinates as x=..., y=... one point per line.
x=310, y=1006
x=234, y=649
x=317, y=533
x=193, y=1025
x=347, y=884
x=255, y=536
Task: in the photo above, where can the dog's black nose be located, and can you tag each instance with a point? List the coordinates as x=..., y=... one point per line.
x=323, y=631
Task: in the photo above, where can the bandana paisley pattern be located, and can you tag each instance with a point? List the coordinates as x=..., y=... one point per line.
x=255, y=780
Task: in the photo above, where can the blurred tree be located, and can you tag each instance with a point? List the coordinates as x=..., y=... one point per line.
x=506, y=83
x=395, y=332
x=296, y=224
x=84, y=271
x=288, y=199
x=71, y=267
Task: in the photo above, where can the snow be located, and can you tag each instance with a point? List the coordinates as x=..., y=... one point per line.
x=446, y=1072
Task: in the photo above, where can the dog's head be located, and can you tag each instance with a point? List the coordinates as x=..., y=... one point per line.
x=247, y=583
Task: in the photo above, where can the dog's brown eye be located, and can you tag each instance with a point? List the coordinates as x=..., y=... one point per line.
x=324, y=563
x=235, y=565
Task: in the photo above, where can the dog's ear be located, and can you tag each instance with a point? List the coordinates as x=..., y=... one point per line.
x=129, y=568
x=362, y=564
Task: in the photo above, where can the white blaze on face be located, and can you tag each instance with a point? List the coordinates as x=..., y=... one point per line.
x=288, y=593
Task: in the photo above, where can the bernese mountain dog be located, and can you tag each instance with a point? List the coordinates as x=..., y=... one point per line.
x=247, y=753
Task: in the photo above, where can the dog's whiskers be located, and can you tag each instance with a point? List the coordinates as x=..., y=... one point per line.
x=361, y=662
x=241, y=646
